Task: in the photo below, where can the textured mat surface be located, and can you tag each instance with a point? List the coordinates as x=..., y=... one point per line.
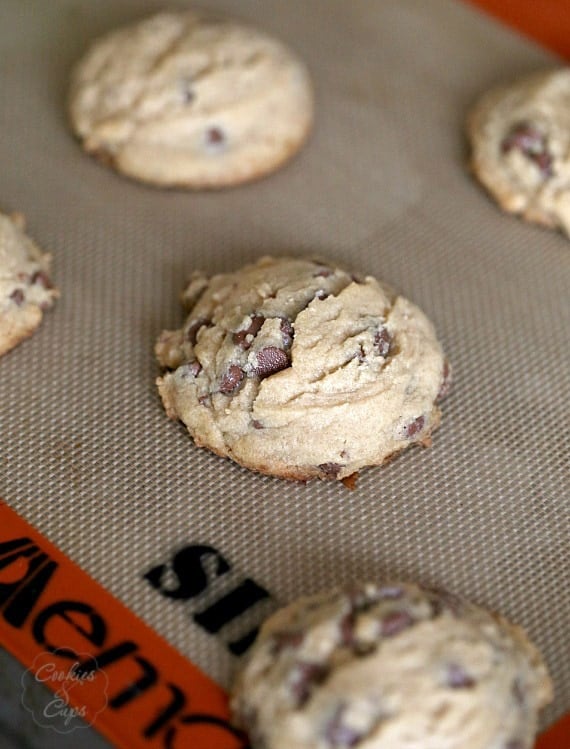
x=87, y=454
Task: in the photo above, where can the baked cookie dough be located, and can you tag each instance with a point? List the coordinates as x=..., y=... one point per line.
x=25, y=288
x=391, y=666
x=296, y=368
x=520, y=137
x=187, y=99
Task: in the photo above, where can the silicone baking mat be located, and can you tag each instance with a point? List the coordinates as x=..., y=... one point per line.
x=199, y=548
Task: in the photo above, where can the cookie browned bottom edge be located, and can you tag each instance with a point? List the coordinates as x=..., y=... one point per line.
x=109, y=160
x=306, y=473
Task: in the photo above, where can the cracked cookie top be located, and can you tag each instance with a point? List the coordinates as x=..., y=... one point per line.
x=297, y=368
x=520, y=137
x=192, y=100
x=26, y=290
x=390, y=666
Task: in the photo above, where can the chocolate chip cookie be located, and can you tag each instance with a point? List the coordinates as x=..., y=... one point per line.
x=390, y=666
x=25, y=287
x=520, y=137
x=187, y=99
x=298, y=369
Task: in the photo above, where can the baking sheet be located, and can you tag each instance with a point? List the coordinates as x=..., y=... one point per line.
x=87, y=454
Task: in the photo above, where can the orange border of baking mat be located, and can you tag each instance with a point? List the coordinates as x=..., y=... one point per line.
x=131, y=685
x=545, y=21
x=143, y=694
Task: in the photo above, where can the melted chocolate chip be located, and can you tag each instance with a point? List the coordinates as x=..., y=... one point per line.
x=331, y=470
x=287, y=333
x=269, y=361
x=231, y=379
x=339, y=734
x=458, y=678
x=383, y=342
x=415, y=427
x=17, y=296
x=531, y=142
x=42, y=279
x=396, y=622
x=305, y=677
x=215, y=136
x=194, y=329
x=240, y=338
x=445, y=386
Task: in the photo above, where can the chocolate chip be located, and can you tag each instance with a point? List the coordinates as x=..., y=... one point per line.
x=231, y=379
x=240, y=338
x=323, y=273
x=287, y=333
x=383, y=342
x=305, y=677
x=346, y=629
x=257, y=424
x=445, y=386
x=194, y=329
x=339, y=734
x=415, y=427
x=531, y=142
x=215, y=136
x=269, y=361
x=17, y=296
x=396, y=622
x=41, y=278
x=458, y=678
x=286, y=640
x=191, y=369
x=331, y=470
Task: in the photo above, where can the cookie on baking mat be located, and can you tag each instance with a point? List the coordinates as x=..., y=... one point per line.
x=520, y=138
x=298, y=369
x=25, y=288
x=393, y=666
x=186, y=99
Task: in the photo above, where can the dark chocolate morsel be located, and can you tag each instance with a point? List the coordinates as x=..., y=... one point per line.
x=530, y=141
x=240, y=337
x=331, y=470
x=306, y=676
x=415, y=427
x=17, y=296
x=287, y=332
x=383, y=342
x=458, y=678
x=269, y=361
x=194, y=328
x=231, y=379
x=396, y=622
x=41, y=278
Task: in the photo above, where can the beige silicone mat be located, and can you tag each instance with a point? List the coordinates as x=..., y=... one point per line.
x=87, y=453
